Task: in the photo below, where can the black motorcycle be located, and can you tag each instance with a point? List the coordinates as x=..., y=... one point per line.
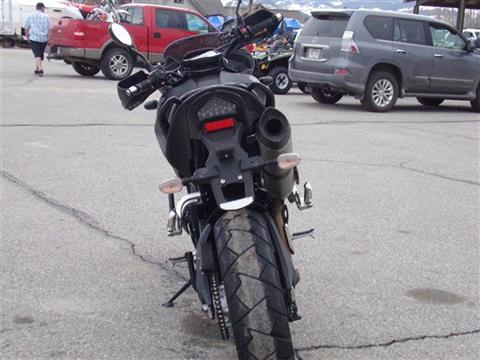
x=232, y=151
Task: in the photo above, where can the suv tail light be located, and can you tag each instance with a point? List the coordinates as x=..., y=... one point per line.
x=348, y=45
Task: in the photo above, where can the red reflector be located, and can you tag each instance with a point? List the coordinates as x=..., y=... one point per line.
x=219, y=124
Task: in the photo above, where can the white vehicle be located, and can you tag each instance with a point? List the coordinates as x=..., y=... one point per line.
x=13, y=14
x=473, y=34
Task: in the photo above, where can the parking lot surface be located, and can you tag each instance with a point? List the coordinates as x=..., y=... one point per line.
x=393, y=271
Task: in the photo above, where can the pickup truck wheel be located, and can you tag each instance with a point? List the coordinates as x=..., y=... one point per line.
x=85, y=69
x=381, y=92
x=326, y=97
x=281, y=81
x=116, y=64
x=476, y=103
x=429, y=101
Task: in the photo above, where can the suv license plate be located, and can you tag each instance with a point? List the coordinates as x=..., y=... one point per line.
x=313, y=53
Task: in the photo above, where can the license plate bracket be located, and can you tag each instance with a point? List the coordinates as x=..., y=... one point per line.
x=314, y=53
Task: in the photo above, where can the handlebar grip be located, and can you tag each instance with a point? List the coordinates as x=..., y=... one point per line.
x=263, y=25
x=141, y=87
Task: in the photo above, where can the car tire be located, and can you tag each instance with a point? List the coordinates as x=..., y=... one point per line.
x=326, y=97
x=116, y=64
x=303, y=88
x=430, y=101
x=381, y=92
x=281, y=81
x=85, y=69
x=476, y=103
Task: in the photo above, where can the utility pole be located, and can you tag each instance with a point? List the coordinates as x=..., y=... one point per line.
x=250, y=4
x=460, y=15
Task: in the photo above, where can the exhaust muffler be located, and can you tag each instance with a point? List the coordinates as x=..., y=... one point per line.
x=275, y=138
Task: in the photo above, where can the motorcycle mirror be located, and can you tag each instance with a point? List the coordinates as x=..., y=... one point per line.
x=288, y=161
x=120, y=35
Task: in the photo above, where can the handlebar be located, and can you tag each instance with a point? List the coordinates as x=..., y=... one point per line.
x=146, y=85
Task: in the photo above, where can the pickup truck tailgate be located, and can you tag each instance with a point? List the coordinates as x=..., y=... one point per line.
x=68, y=33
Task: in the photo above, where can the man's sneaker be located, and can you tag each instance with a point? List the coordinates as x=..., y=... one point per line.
x=40, y=72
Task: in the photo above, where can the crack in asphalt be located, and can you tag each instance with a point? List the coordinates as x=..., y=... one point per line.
x=25, y=83
x=347, y=122
x=292, y=124
x=439, y=133
x=76, y=125
x=401, y=166
x=85, y=220
x=440, y=176
x=384, y=344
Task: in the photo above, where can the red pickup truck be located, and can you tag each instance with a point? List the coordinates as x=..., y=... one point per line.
x=87, y=44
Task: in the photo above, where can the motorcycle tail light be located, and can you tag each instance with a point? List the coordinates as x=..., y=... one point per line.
x=219, y=125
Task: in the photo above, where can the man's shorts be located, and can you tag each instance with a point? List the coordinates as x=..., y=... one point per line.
x=38, y=48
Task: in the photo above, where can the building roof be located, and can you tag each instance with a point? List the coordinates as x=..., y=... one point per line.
x=469, y=4
x=208, y=7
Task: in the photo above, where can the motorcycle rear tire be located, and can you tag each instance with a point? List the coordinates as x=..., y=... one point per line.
x=257, y=308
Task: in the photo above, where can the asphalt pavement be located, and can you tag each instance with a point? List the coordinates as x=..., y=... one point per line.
x=393, y=271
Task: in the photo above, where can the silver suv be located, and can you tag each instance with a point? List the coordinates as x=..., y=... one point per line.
x=379, y=56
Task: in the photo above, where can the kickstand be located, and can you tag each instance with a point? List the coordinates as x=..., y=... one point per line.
x=169, y=303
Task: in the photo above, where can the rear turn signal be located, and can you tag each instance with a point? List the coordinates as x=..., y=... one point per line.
x=171, y=186
x=219, y=125
x=288, y=161
x=348, y=45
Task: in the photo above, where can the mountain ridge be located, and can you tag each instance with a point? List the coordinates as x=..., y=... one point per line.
x=308, y=5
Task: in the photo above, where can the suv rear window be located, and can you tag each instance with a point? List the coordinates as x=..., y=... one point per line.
x=326, y=25
x=380, y=27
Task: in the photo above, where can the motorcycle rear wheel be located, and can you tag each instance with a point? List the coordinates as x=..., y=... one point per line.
x=257, y=309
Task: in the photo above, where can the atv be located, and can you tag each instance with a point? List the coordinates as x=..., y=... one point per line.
x=275, y=65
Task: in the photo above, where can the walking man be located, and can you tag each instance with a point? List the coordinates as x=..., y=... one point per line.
x=37, y=28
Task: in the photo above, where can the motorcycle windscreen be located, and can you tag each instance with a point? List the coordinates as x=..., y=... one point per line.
x=180, y=49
